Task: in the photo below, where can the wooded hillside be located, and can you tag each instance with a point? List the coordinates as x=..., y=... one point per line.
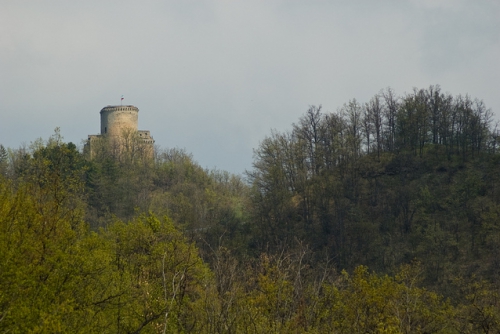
x=380, y=217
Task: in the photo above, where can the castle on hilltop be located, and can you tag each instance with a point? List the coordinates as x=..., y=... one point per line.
x=120, y=134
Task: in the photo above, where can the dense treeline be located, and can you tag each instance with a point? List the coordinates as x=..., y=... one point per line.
x=406, y=187
x=144, y=276
x=383, y=183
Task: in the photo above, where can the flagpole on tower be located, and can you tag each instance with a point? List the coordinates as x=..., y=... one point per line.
x=121, y=101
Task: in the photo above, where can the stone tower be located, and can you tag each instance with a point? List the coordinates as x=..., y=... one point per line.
x=117, y=119
x=119, y=132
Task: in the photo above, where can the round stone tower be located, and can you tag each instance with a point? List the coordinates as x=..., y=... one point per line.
x=116, y=119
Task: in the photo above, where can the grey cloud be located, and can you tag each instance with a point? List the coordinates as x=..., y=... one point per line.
x=214, y=77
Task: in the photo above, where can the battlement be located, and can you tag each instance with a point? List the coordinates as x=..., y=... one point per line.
x=110, y=108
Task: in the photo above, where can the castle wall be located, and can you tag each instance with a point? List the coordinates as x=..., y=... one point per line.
x=119, y=135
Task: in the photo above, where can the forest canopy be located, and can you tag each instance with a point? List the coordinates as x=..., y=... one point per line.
x=381, y=217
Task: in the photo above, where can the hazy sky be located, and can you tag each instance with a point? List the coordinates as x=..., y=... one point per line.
x=214, y=77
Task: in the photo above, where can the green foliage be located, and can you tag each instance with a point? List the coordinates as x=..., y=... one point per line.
x=374, y=185
x=383, y=183
x=39, y=260
x=480, y=307
x=281, y=294
x=159, y=275
x=56, y=276
x=208, y=204
x=383, y=304
x=4, y=163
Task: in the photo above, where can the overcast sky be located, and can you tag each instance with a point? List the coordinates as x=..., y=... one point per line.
x=214, y=77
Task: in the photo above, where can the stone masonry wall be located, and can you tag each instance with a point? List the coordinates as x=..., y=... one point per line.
x=119, y=133
x=117, y=119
